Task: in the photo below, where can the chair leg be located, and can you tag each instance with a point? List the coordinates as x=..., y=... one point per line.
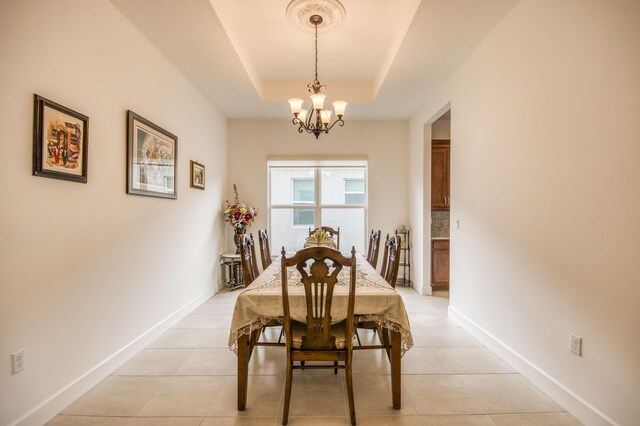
x=352, y=408
x=287, y=393
x=335, y=370
x=281, y=334
x=358, y=337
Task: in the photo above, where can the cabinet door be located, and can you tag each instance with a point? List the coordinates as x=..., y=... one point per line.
x=440, y=264
x=440, y=177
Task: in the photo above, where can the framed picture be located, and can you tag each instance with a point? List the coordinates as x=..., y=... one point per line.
x=152, y=159
x=60, y=141
x=197, y=175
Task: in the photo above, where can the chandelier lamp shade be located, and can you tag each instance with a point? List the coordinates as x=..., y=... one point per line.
x=316, y=120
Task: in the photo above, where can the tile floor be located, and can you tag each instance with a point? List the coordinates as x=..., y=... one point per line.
x=188, y=377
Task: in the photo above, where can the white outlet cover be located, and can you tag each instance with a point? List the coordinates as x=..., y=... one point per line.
x=18, y=361
x=576, y=344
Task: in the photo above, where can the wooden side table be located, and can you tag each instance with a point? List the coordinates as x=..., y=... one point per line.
x=233, y=273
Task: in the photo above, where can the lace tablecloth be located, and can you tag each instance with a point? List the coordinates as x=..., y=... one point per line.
x=375, y=300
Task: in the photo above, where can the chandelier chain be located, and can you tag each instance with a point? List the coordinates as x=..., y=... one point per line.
x=316, y=25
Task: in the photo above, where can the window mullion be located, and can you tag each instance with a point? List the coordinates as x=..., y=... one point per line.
x=318, y=198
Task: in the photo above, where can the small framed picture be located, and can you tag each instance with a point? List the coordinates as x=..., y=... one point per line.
x=60, y=141
x=197, y=175
x=152, y=158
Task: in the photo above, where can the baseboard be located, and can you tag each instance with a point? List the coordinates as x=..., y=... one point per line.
x=565, y=397
x=47, y=409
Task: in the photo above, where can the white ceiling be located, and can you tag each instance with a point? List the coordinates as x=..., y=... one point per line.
x=384, y=60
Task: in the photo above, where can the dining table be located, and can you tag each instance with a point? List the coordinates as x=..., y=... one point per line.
x=376, y=301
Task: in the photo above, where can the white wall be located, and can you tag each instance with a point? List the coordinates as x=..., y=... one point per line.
x=545, y=172
x=383, y=143
x=105, y=267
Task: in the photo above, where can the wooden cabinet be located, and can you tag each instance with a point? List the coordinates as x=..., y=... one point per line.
x=440, y=176
x=439, y=264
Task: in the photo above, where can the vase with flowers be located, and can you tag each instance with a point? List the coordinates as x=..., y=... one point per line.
x=239, y=216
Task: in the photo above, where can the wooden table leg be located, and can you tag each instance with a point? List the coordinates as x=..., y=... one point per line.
x=396, y=384
x=243, y=370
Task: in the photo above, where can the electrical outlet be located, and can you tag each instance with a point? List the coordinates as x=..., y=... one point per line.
x=576, y=344
x=18, y=361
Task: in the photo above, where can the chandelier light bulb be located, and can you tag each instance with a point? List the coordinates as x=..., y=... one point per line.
x=318, y=100
x=325, y=116
x=339, y=107
x=296, y=105
x=302, y=115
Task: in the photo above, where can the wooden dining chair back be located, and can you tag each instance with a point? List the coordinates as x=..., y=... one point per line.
x=374, y=248
x=265, y=249
x=391, y=260
x=318, y=339
x=248, y=259
x=333, y=233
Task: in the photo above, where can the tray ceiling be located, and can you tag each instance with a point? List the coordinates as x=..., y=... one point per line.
x=247, y=59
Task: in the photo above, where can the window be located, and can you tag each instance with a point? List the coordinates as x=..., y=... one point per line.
x=354, y=191
x=302, y=191
x=308, y=194
x=303, y=217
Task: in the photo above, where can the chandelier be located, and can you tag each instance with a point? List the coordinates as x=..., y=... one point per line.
x=317, y=120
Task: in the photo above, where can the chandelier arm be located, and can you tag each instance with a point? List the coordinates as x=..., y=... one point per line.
x=339, y=121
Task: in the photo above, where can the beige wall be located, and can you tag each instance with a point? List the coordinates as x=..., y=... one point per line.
x=545, y=172
x=383, y=143
x=85, y=269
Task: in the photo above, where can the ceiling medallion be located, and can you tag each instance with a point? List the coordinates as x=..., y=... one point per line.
x=316, y=120
x=299, y=13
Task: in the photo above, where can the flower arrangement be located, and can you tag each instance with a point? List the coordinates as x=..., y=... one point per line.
x=238, y=214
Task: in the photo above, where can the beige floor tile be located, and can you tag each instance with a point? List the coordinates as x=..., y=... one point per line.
x=208, y=362
x=316, y=395
x=183, y=396
x=214, y=309
x=370, y=362
x=62, y=420
x=424, y=361
x=262, y=400
x=268, y=361
x=164, y=421
x=117, y=396
x=431, y=320
x=537, y=419
x=366, y=420
x=239, y=421
x=507, y=393
x=473, y=360
x=444, y=337
x=192, y=338
x=205, y=321
x=433, y=394
x=417, y=308
x=372, y=395
x=154, y=362
x=457, y=420
x=314, y=421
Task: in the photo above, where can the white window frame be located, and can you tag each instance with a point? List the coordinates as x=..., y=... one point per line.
x=318, y=166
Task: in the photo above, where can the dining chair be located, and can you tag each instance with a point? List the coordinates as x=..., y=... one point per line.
x=391, y=260
x=265, y=249
x=390, y=265
x=318, y=339
x=374, y=248
x=248, y=259
x=332, y=233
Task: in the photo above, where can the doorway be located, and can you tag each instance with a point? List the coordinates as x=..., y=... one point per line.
x=440, y=204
